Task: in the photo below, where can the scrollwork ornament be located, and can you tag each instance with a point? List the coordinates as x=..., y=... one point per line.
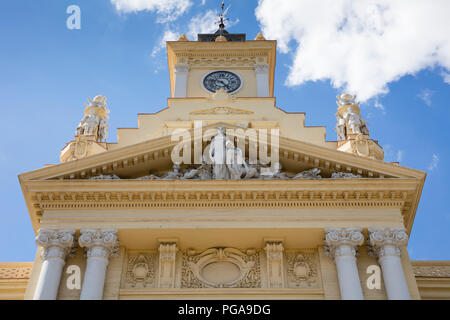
x=99, y=243
x=56, y=243
x=386, y=241
x=342, y=241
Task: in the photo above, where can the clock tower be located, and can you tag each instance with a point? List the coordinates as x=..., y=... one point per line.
x=221, y=61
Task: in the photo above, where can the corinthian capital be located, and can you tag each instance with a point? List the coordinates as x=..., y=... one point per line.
x=56, y=243
x=99, y=242
x=342, y=241
x=387, y=241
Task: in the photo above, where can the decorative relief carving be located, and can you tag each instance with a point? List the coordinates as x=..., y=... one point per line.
x=342, y=241
x=99, y=242
x=275, y=268
x=302, y=270
x=432, y=271
x=15, y=273
x=386, y=241
x=56, y=243
x=220, y=110
x=221, y=268
x=167, y=259
x=222, y=61
x=141, y=270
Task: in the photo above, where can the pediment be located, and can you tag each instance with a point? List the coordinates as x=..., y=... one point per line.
x=154, y=157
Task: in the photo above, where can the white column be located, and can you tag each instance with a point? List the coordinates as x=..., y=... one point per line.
x=262, y=80
x=341, y=244
x=181, y=74
x=386, y=244
x=57, y=244
x=167, y=259
x=99, y=245
x=275, y=269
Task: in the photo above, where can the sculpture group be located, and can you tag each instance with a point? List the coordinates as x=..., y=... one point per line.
x=348, y=119
x=95, y=120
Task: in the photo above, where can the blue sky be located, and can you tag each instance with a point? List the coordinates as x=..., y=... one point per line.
x=47, y=72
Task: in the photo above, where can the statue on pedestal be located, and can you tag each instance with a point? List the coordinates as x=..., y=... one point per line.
x=95, y=120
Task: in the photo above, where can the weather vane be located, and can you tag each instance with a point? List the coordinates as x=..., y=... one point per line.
x=222, y=17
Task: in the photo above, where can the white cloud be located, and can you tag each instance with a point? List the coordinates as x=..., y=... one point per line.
x=168, y=35
x=426, y=95
x=446, y=76
x=399, y=155
x=167, y=10
x=361, y=46
x=434, y=162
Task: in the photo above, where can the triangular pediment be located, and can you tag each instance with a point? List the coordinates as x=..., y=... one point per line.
x=154, y=156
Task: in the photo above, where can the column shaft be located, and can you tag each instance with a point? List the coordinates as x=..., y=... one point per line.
x=56, y=244
x=394, y=277
x=387, y=243
x=94, y=278
x=99, y=245
x=49, y=279
x=341, y=245
x=349, y=283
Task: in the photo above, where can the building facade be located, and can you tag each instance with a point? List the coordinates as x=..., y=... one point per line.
x=223, y=195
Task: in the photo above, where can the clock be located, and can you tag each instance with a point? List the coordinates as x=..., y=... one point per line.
x=225, y=80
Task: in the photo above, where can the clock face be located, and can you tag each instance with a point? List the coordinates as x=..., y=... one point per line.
x=225, y=80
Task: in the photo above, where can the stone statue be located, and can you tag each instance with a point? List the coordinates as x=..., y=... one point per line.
x=103, y=130
x=344, y=175
x=90, y=123
x=340, y=128
x=235, y=161
x=311, y=174
x=354, y=121
x=203, y=173
x=175, y=173
x=346, y=99
x=95, y=120
x=218, y=154
x=99, y=102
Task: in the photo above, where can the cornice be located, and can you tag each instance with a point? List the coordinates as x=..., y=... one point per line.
x=167, y=194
